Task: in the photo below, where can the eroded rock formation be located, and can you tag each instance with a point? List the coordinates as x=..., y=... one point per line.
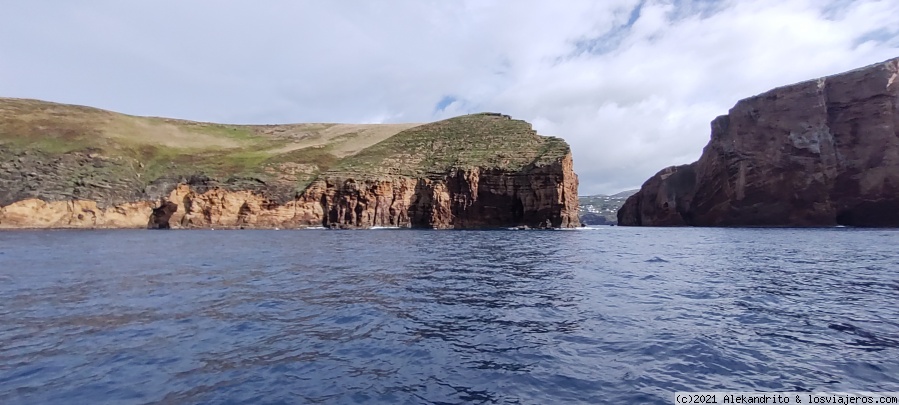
x=818, y=153
x=470, y=198
x=527, y=180
x=462, y=199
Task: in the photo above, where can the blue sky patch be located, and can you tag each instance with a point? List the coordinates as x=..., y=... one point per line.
x=443, y=103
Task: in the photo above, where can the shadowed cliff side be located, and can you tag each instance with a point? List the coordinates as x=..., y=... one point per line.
x=68, y=166
x=819, y=153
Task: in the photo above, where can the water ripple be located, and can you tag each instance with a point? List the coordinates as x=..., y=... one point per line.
x=616, y=315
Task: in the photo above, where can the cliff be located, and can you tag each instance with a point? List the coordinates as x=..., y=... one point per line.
x=819, y=153
x=64, y=166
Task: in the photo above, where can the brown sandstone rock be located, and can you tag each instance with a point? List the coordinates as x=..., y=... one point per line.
x=461, y=199
x=433, y=178
x=34, y=213
x=818, y=153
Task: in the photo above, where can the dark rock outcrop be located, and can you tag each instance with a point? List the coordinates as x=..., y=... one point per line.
x=461, y=199
x=161, y=215
x=819, y=153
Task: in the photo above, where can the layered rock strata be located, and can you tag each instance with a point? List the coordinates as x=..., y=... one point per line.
x=819, y=153
x=478, y=171
x=538, y=197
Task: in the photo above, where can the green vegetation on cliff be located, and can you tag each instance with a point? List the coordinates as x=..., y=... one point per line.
x=482, y=140
x=57, y=151
x=149, y=149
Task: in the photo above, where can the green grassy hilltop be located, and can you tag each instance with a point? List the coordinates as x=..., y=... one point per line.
x=58, y=151
x=483, y=140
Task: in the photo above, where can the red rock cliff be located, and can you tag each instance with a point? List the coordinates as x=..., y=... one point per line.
x=475, y=171
x=818, y=153
x=538, y=196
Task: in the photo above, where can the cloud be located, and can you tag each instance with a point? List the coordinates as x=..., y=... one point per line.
x=630, y=84
x=646, y=104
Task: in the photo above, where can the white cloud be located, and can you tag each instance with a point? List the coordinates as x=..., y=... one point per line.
x=629, y=98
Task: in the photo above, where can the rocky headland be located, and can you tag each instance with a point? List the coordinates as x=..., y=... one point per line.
x=602, y=209
x=64, y=166
x=819, y=153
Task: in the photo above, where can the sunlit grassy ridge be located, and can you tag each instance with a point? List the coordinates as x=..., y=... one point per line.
x=482, y=140
x=160, y=147
x=146, y=149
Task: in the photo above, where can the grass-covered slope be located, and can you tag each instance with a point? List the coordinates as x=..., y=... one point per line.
x=57, y=151
x=483, y=140
x=47, y=138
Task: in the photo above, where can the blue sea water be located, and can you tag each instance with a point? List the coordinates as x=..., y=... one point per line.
x=609, y=315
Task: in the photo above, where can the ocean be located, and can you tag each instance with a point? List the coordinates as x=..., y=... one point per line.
x=598, y=315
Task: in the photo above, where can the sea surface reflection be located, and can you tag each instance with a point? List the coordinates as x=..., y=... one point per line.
x=608, y=315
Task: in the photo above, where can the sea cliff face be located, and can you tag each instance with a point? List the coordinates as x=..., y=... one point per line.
x=539, y=196
x=818, y=153
x=477, y=171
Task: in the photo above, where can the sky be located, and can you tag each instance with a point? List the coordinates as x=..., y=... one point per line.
x=631, y=85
